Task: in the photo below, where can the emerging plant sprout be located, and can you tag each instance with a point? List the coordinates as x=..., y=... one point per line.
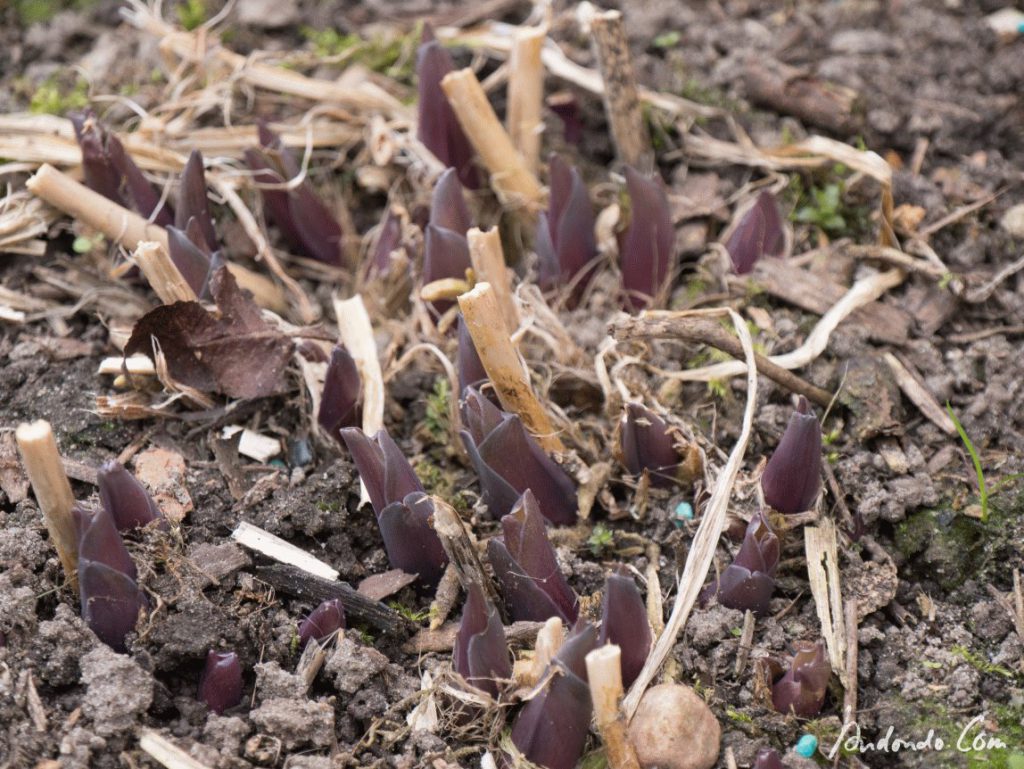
x=802, y=689
x=339, y=404
x=525, y=566
x=749, y=581
x=220, y=686
x=647, y=246
x=467, y=361
x=759, y=233
x=481, y=654
x=110, y=597
x=624, y=623
x=403, y=508
x=565, y=233
x=190, y=254
x=126, y=500
x=110, y=171
x=647, y=443
x=324, y=620
x=509, y=461
x=437, y=126
x=768, y=758
x=445, y=248
x=792, y=478
x=193, y=204
x=305, y=222
x=551, y=729
x=389, y=240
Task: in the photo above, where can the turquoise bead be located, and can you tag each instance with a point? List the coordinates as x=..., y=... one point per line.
x=806, y=745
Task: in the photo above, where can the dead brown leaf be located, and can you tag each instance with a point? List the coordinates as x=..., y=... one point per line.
x=162, y=471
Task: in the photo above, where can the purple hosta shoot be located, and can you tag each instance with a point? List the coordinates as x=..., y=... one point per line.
x=647, y=246
x=801, y=690
x=509, y=461
x=481, y=654
x=768, y=758
x=448, y=209
x=759, y=233
x=339, y=404
x=445, y=248
x=552, y=728
x=126, y=500
x=304, y=220
x=110, y=171
x=467, y=361
x=220, y=686
x=193, y=203
x=525, y=566
x=792, y=478
x=648, y=444
x=565, y=105
x=624, y=622
x=437, y=126
x=110, y=597
x=193, y=258
x=389, y=240
x=749, y=581
x=403, y=508
x=565, y=233
x=325, y=620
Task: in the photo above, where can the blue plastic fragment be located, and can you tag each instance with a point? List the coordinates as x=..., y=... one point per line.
x=806, y=745
x=684, y=512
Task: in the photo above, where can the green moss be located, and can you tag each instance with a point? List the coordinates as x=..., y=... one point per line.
x=394, y=56
x=437, y=419
x=191, y=13
x=54, y=97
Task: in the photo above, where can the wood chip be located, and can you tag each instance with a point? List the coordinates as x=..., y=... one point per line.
x=163, y=472
x=13, y=480
x=823, y=573
x=913, y=387
x=255, y=538
x=252, y=444
x=377, y=587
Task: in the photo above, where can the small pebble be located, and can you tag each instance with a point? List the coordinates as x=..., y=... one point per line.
x=806, y=745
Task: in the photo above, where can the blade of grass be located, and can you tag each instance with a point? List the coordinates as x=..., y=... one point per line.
x=982, y=489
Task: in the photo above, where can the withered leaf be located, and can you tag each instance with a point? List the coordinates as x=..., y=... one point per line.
x=235, y=352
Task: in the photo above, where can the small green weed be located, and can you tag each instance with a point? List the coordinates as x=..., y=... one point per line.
x=601, y=540
x=969, y=445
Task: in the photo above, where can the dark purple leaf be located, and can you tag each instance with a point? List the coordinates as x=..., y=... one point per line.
x=191, y=261
x=565, y=105
x=481, y=654
x=389, y=240
x=100, y=174
x=565, y=235
x=749, y=581
x=437, y=126
x=342, y=389
x=624, y=623
x=220, y=686
x=276, y=204
x=525, y=566
x=648, y=444
x=448, y=205
x=193, y=202
x=792, y=478
x=236, y=353
x=551, y=730
x=145, y=199
x=647, y=247
x=767, y=758
x=802, y=688
x=467, y=361
x=325, y=619
x=99, y=541
x=384, y=470
x=759, y=233
x=445, y=255
x=509, y=461
x=129, y=504
x=409, y=538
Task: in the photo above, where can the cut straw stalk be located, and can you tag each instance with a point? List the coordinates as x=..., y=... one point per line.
x=504, y=367
x=621, y=96
x=162, y=274
x=604, y=674
x=166, y=753
x=129, y=229
x=526, y=93
x=489, y=266
x=41, y=458
x=510, y=177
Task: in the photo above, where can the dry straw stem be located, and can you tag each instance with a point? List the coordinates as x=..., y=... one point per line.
x=526, y=93
x=166, y=753
x=128, y=228
x=850, y=694
x=621, y=97
x=702, y=552
x=461, y=547
x=823, y=574
x=912, y=386
x=489, y=266
x=355, y=332
x=161, y=273
x=277, y=549
x=510, y=177
x=41, y=458
x=550, y=638
x=604, y=674
x=504, y=367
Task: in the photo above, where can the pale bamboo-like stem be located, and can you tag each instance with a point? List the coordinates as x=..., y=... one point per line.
x=129, y=229
x=489, y=265
x=510, y=177
x=166, y=753
x=550, y=638
x=504, y=367
x=163, y=276
x=604, y=674
x=41, y=458
x=621, y=96
x=526, y=93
